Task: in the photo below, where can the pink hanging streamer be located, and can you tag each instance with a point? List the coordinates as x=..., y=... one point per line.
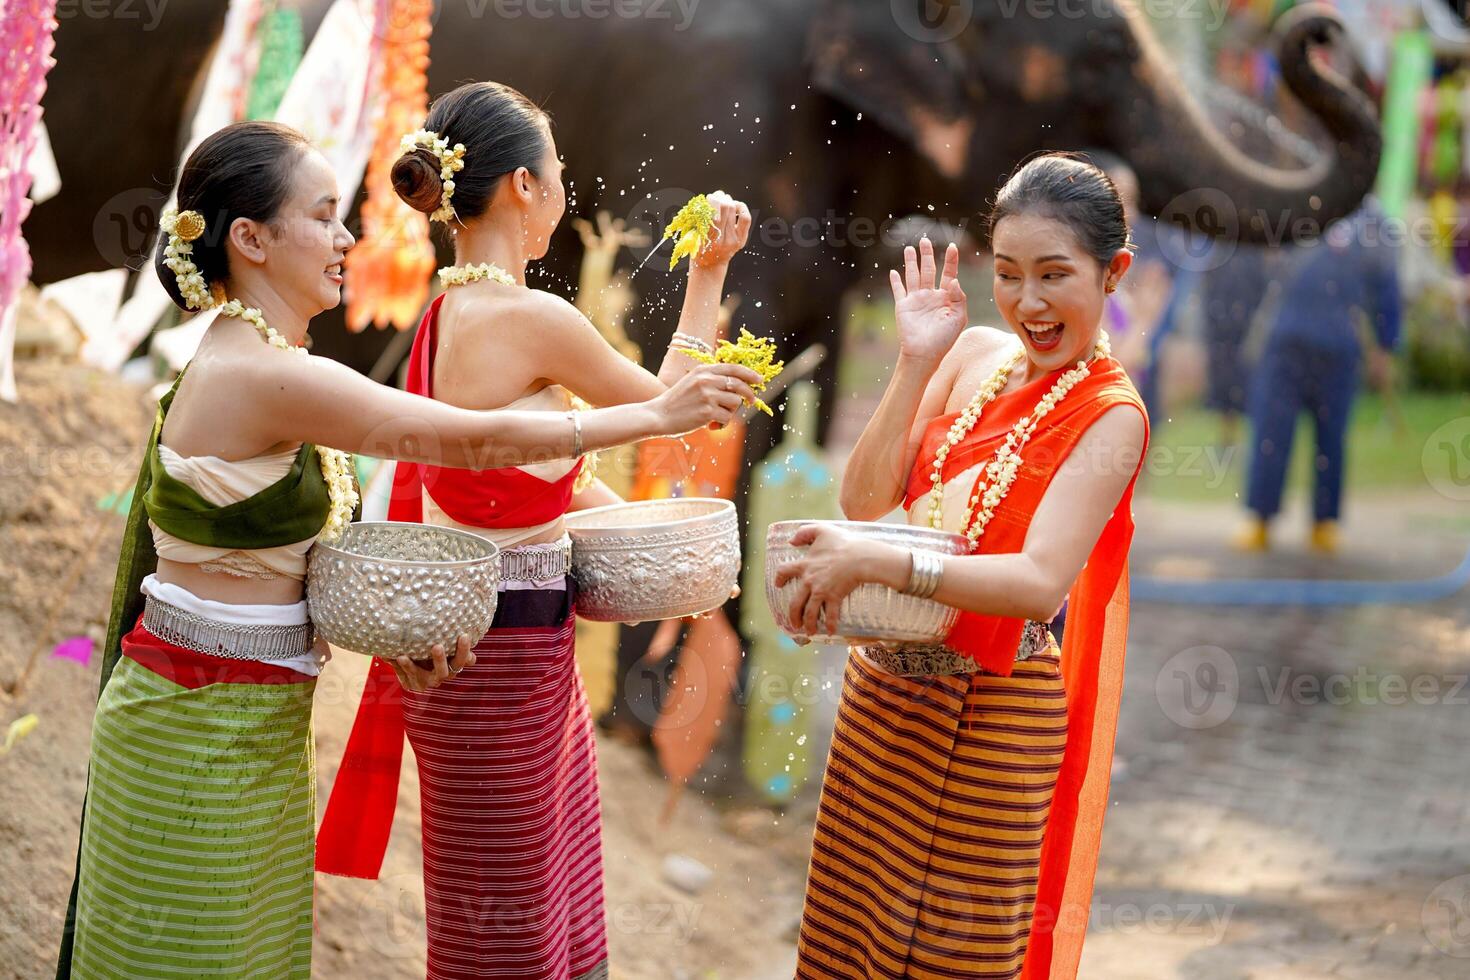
x=26, y=28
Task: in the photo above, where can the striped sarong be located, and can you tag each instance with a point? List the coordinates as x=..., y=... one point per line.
x=512, y=832
x=196, y=854
x=929, y=828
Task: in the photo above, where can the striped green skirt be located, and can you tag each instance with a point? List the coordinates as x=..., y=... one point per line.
x=197, y=844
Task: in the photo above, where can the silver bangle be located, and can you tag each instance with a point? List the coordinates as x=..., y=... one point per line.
x=576, y=418
x=687, y=342
x=925, y=574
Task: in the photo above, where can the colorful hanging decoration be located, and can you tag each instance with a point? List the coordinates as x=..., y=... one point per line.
x=333, y=97
x=26, y=30
x=1444, y=161
x=388, y=271
x=784, y=680
x=280, y=40
x=1409, y=74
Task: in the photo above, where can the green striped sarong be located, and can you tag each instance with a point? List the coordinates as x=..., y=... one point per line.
x=197, y=849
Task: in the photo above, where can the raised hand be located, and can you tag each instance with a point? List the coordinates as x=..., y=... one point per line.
x=729, y=234
x=929, y=305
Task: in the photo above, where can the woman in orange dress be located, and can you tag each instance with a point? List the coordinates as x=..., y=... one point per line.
x=962, y=802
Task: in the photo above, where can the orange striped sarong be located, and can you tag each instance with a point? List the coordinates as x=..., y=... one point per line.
x=928, y=837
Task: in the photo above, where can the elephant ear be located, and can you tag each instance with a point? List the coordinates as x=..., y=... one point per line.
x=913, y=84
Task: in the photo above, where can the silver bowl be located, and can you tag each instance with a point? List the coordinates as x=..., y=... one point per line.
x=654, y=559
x=871, y=612
x=387, y=589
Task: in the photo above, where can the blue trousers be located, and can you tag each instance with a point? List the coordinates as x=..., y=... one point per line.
x=1292, y=378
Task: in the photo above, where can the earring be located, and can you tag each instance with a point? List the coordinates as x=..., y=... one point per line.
x=1110, y=288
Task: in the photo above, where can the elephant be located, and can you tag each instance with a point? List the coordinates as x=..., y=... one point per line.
x=830, y=117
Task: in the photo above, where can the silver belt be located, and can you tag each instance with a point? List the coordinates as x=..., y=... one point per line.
x=536, y=562
x=935, y=660
x=234, y=641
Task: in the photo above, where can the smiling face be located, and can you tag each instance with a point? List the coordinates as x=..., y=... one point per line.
x=307, y=241
x=1049, y=289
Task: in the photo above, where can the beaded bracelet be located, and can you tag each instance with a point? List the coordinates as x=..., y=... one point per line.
x=684, y=341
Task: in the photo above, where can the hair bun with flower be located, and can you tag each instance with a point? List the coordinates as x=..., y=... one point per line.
x=182, y=228
x=451, y=162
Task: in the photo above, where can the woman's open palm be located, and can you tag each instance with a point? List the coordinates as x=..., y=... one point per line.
x=929, y=305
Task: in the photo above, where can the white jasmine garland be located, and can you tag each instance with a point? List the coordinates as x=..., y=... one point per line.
x=451, y=162
x=182, y=230
x=458, y=275
x=999, y=473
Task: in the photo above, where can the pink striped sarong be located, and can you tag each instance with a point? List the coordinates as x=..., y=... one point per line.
x=511, y=823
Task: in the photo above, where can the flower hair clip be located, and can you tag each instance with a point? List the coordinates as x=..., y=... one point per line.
x=451, y=162
x=183, y=228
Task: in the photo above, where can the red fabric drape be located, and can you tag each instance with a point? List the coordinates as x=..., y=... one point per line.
x=1092, y=648
x=354, y=833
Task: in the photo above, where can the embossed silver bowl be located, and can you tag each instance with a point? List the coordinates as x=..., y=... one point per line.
x=654, y=559
x=387, y=589
x=871, y=612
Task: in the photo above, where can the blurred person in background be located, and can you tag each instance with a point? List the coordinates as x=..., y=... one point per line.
x=1231, y=297
x=1315, y=352
x=1145, y=311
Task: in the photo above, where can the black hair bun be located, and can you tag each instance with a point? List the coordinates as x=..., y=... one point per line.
x=416, y=179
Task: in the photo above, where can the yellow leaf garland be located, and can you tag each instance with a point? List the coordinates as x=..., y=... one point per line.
x=756, y=353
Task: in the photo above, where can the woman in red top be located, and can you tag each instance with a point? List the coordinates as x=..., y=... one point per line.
x=962, y=802
x=505, y=750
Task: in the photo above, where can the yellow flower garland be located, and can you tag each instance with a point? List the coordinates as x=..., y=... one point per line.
x=1000, y=472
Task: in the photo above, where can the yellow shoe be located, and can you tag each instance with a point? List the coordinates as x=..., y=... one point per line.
x=1324, y=537
x=1255, y=536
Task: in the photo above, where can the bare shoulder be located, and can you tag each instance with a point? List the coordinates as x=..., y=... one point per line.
x=551, y=317
x=976, y=353
x=982, y=345
x=1119, y=430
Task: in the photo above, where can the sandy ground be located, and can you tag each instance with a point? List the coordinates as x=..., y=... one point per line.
x=74, y=438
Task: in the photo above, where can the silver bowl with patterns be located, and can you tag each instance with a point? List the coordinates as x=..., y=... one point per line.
x=654, y=559
x=871, y=612
x=388, y=589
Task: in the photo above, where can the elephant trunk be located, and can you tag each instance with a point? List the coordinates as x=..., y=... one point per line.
x=1192, y=176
